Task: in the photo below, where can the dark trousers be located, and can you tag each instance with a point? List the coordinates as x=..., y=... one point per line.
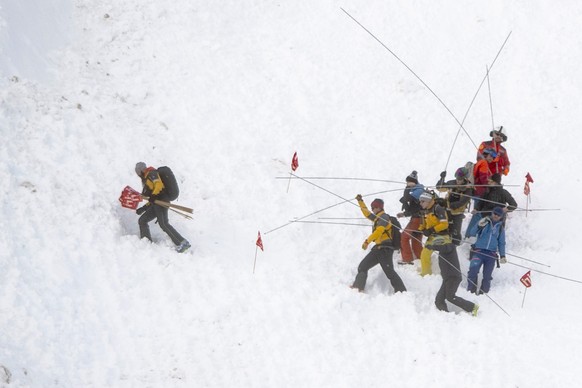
x=382, y=256
x=161, y=213
x=487, y=260
x=455, y=228
x=451, y=273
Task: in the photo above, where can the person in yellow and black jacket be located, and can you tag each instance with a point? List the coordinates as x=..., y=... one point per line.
x=386, y=238
x=153, y=187
x=459, y=194
x=434, y=223
x=435, y=226
x=451, y=274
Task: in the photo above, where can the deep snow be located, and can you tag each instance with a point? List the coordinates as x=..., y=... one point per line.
x=224, y=93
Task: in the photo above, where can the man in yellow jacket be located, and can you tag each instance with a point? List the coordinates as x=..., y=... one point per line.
x=434, y=224
x=383, y=249
x=153, y=188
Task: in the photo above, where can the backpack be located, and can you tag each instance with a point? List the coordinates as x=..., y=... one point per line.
x=396, y=227
x=470, y=169
x=441, y=201
x=171, y=190
x=416, y=191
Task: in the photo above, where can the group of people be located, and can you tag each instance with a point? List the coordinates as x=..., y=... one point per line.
x=440, y=221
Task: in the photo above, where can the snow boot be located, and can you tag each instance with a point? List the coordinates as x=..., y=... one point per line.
x=402, y=262
x=184, y=245
x=475, y=310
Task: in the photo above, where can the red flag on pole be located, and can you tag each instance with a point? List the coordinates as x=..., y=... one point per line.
x=294, y=162
x=528, y=180
x=260, y=242
x=526, y=279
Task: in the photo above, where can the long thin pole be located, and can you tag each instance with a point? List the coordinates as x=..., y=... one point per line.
x=473, y=100
x=326, y=208
x=255, y=263
x=487, y=200
x=182, y=214
x=333, y=223
x=412, y=71
x=169, y=204
x=545, y=273
x=289, y=184
x=342, y=179
x=490, y=99
x=509, y=254
x=523, y=301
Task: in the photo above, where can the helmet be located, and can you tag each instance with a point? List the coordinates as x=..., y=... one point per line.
x=139, y=168
x=426, y=196
x=501, y=131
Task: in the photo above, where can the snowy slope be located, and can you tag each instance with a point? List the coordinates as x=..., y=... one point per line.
x=224, y=93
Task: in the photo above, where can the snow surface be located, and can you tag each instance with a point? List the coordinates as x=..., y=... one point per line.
x=224, y=93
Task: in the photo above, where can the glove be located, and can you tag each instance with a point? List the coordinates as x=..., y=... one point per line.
x=152, y=199
x=483, y=221
x=400, y=215
x=365, y=245
x=141, y=210
x=503, y=260
x=428, y=232
x=506, y=171
x=443, y=174
x=359, y=197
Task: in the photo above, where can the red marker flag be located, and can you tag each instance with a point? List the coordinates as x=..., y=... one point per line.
x=260, y=242
x=526, y=279
x=294, y=162
x=528, y=180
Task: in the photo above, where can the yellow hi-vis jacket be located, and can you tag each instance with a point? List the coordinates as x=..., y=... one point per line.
x=436, y=219
x=152, y=182
x=382, y=228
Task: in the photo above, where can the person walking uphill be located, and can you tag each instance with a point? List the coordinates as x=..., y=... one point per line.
x=386, y=238
x=482, y=172
x=459, y=194
x=490, y=240
x=451, y=274
x=434, y=224
x=500, y=165
x=411, y=242
x=154, y=188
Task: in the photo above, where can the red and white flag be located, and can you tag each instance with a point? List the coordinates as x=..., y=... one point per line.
x=294, y=162
x=526, y=279
x=528, y=180
x=260, y=242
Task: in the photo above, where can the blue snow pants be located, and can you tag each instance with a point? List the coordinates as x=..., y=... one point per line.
x=481, y=258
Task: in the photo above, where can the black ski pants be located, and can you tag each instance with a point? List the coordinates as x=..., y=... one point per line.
x=382, y=256
x=451, y=273
x=161, y=213
x=455, y=228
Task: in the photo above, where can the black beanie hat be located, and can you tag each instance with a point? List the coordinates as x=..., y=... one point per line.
x=413, y=177
x=496, y=178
